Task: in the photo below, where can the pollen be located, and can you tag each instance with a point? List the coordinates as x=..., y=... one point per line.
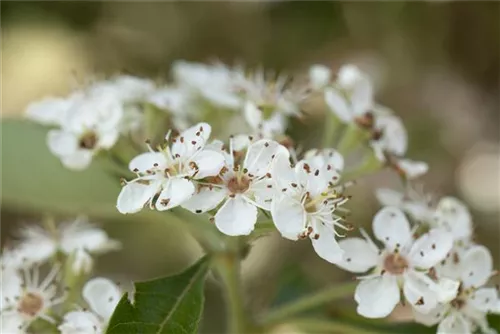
x=31, y=304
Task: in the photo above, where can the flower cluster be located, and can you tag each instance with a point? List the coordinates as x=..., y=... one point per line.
x=432, y=264
x=30, y=303
x=254, y=174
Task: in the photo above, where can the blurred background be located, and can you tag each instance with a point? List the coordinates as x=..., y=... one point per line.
x=435, y=63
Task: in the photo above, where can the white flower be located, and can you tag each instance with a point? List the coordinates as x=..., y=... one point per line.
x=271, y=127
x=77, y=238
x=412, y=202
x=102, y=296
x=403, y=263
x=178, y=102
x=52, y=111
x=170, y=172
x=392, y=137
x=466, y=313
x=25, y=299
x=454, y=216
x=411, y=169
x=124, y=88
x=215, y=83
x=352, y=100
x=305, y=202
x=243, y=188
x=319, y=76
x=270, y=95
x=91, y=125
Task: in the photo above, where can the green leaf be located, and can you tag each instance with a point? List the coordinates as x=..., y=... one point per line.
x=166, y=305
x=34, y=180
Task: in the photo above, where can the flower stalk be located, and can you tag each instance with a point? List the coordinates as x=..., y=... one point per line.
x=329, y=294
x=227, y=265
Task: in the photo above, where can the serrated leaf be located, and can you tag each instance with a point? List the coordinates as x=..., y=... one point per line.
x=166, y=305
x=34, y=180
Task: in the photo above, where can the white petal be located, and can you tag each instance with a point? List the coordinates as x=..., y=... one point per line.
x=236, y=217
x=177, y=192
x=260, y=156
x=81, y=262
x=240, y=142
x=102, y=295
x=135, y=194
x=285, y=174
x=319, y=76
x=328, y=156
x=362, y=96
x=446, y=289
x=209, y=163
x=11, y=286
x=148, y=161
x=80, y=322
x=454, y=323
x=326, y=246
x=50, y=111
x=62, y=143
x=419, y=292
x=477, y=266
x=454, y=216
x=391, y=227
x=377, y=297
x=338, y=105
x=413, y=169
x=359, y=255
x=79, y=160
x=81, y=234
x=253, y=115
x=349, y=75
x=485, y=300
x=193, y=139
x=289, y=216
x=262, y=192
x=394, y=136
x=315, y=175
x=431, y=248
x=389, y=197
x=205, y=200
x=432, y=318
x=12, y=323
x=36, y=250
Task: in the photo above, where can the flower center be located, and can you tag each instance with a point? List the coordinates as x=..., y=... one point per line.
x=88, y=141
x=31, y=304
x=395, y=264
x=457, y=303
x=238, y=185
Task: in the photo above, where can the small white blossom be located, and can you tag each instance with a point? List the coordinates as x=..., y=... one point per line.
x=25, y=299
x=466, y=313
x=402, y=264
x=319, y=76
x=243, y=187
x=91, y=125
x=455, y=217
x=215, y=83
x=306, y=201
x=102, y=296
x=171, y=172
x=352, y=100
x=412, y=202
x=77, y=238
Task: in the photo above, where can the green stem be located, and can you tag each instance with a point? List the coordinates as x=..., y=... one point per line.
x=308, y=302
x=351, y=138
x=330, y=326
x=332, y=124
x=369, y=165
x=227, y=265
